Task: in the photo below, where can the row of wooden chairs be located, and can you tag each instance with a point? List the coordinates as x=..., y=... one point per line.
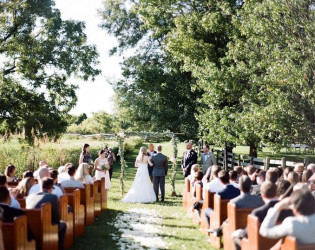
x=237, y=219
x=86, y=203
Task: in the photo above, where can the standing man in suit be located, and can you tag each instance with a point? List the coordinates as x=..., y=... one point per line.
x=207, y=159
x=45, y=196
x=151, y=153
x=160, y=168
x=189, y=159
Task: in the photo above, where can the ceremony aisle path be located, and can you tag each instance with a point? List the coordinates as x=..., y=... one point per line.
x=142, y=226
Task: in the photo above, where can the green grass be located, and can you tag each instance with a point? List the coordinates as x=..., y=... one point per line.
x=178, y=229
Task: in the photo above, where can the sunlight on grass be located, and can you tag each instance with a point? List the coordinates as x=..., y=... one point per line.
x=177, y=230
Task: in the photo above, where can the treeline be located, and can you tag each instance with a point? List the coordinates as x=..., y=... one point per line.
x=229, y=71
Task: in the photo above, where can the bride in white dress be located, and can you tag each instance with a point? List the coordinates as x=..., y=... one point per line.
x=141, y=190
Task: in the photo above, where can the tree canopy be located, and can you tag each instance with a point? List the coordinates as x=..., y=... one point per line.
x=39, y=52
x=250, y=65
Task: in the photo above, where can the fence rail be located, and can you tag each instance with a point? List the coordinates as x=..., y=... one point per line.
x=229, y=160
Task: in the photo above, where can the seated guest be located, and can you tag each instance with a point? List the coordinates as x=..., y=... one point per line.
x=71, y=182
x=45, y=196
x=43, y=173
x=22, y=190
x=307, y=174
x=215, y=185
x=233, y=178
x=280, y=172
x=194, y=169
x=301, y=225
x=259, y=179
x=83, y=174
x=299, y=168
x=293, y=178
x=10, y=172
x=286, y=172
x=4, y=183
x=272, y=175
x=311, y=167
x=28, y=173
x=270, y=198
x=239, y=171
x=228, y=192
x=9, y=213
x=245, y=199
x=252, y=173
x=284, y=189
x=197, y=180
x=63, y=173
x=54, y=175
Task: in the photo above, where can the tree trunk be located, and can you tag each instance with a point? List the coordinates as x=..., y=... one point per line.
x=252, y=150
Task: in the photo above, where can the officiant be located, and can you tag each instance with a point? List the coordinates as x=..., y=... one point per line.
x=151, y=152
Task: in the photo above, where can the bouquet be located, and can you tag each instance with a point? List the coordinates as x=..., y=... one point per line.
x=105, y=167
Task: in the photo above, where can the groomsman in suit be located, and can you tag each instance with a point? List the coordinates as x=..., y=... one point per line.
x=151, y=152
x=189, y=159
x=207, y=159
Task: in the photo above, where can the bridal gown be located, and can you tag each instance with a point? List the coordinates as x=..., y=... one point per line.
x=141, y=190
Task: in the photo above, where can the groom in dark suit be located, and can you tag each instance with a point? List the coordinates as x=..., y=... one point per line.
x=160, y=168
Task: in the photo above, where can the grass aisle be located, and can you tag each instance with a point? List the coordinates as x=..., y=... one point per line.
x=164, y=223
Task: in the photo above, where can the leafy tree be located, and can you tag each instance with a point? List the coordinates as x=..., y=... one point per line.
x=39, y=52
x=155, y=94
x=100, y=122
x=81, y=118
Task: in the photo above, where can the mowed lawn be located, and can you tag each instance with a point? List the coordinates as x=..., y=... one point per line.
x=177, y=231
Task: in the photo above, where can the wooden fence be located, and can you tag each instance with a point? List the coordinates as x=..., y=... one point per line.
x=229, y=160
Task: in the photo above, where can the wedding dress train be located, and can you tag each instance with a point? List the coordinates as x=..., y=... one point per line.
x=141, y=190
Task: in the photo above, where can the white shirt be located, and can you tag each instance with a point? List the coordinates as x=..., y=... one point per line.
x=37, y=188
x=215, y=186
x=63, y=177
x=234, y=184
x=71, y=183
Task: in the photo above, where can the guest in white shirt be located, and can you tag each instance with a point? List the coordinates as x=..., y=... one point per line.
x=42, y=173
x=63, y=173
x=83, y=174
x=301, y=225
x=71, y=183
x=215, y=185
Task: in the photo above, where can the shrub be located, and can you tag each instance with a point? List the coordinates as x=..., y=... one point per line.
x=132, y=143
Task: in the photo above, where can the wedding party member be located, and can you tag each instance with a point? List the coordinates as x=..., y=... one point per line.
x=4, y=183
x=22, y=190
x=83, y=174
x=160, y=168
x=101, y=167
x=43, y=173
x=85, y=156
x=141, y=190
x=71, y=183
x=189, y=159
x=110, y=158
x=151, y=152
x=301, y=225
x=207, y=159
x=10, y=172
x=45, y=196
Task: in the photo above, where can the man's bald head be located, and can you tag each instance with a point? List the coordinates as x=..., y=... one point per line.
x=43, y=172
x=189, y=145
x=43, y=163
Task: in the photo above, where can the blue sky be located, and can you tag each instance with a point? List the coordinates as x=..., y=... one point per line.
x=93, y=96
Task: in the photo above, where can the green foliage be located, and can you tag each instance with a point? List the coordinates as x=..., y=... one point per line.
x=39, y=52
x=100, y=122
x=24, y=156
x=154, y=94
x=131, y=143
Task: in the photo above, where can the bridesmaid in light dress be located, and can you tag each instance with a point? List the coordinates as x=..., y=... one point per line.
x=100, y=171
